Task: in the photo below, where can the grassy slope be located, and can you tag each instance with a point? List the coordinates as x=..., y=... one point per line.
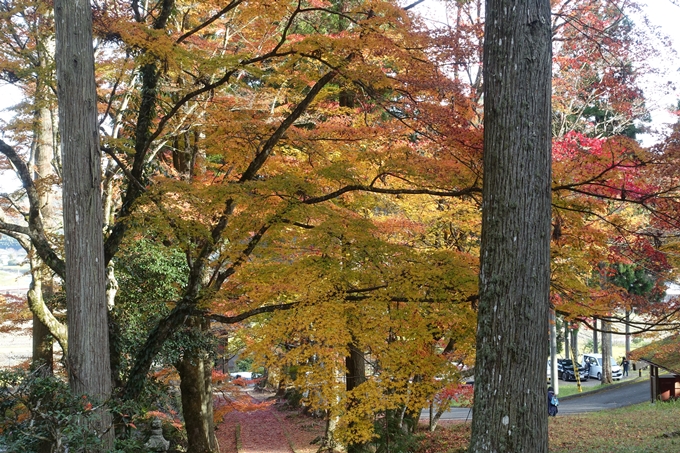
x=641, y=428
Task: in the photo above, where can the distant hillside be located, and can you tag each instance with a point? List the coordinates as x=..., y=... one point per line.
x=7, y=242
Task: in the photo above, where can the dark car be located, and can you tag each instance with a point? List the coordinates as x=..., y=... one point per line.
x=565, y=370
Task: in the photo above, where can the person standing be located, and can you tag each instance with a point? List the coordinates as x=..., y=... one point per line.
x=552, y=402
x=625, y=364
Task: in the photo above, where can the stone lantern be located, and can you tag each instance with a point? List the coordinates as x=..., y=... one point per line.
x=157, y=442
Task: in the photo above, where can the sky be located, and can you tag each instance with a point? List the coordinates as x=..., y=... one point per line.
x=662, y=13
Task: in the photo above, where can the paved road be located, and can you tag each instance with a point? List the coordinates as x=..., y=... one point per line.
x=610, y=397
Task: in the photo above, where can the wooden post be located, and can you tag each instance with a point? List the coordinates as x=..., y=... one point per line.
x=654, y=381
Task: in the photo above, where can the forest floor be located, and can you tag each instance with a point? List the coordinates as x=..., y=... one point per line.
x=271, y=428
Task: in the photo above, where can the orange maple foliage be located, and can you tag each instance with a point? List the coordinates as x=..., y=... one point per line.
x=319, y=167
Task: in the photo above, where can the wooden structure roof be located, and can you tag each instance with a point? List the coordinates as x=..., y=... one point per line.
x=664, y=354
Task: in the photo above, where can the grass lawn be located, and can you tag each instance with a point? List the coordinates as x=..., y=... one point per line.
x=567, y=389
x=642, y=428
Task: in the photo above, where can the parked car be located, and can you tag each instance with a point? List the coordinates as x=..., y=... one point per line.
x=242, y=375
x=593, y=363
x=565, y=370
x=560, y=368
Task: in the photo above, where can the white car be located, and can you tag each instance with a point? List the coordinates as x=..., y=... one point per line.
x=242, y=375
x=593, y=363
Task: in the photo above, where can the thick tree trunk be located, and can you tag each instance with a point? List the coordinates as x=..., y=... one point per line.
x=88, y=356
x=42, y=159
x=510, y=408
x=356, y=368
x=42, y=347
x=197, y=404
x=355, y=376
x=195, y=371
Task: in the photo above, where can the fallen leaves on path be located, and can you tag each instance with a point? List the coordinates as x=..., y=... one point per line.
x=268, y=429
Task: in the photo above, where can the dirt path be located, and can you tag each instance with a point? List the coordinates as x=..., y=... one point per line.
x=268, y=430
x=262, y=432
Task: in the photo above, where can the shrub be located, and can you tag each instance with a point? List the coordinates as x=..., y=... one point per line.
x=36, y=409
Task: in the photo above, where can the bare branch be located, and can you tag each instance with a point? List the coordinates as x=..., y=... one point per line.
x=250, y=313
x=36, y=231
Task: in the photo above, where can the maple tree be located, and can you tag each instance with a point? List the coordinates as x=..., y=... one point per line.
x=599, y=55
x=210, y=182
x=597, y=99
x=618, y=196
x=311, y=162
x=610, y=215
x=27, y=62
x=613, y=197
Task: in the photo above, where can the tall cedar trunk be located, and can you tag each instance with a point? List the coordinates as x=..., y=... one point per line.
x=195, y=372
x=510, y=408
x=88, y=356
x=44, y=154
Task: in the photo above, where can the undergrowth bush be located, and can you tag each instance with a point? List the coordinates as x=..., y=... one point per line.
x=395, y=435
x=36, y=409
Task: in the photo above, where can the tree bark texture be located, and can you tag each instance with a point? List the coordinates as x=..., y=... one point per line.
x=88, y=357
x=355, y=375
x=40, y=310
x=510, y=409
x=195, y=372
x=606, y=353
x=567, y=350
x=355, y=363
x=574, y=344
x=44, y=171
